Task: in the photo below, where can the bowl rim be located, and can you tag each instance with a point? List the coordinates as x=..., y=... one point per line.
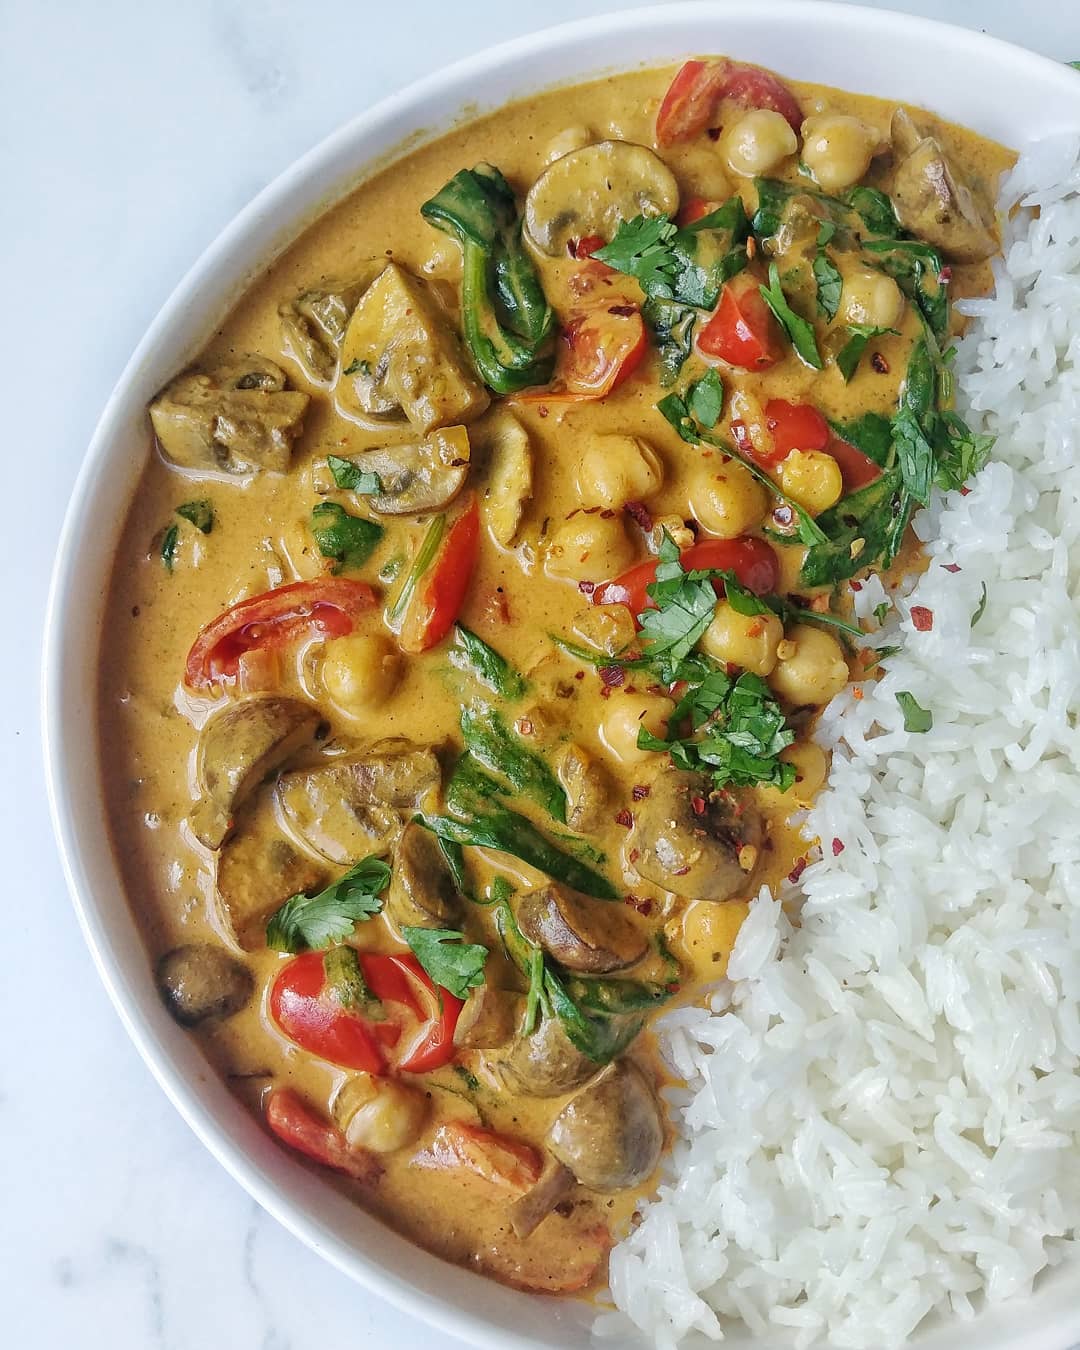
x=67, y=590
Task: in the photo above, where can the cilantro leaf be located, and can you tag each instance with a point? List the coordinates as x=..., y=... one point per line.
x=880, y=611
x=981, y=608
x=800, y=332
x=741, y=600
x=915, y=455
x=916, y=718
x=352, y=478
x=705, y=399
x=830, y=284
x=348, y=539
x=452, y=963
x=311, y=922
x=198, y=513
x=685, y=608
x=170, y=542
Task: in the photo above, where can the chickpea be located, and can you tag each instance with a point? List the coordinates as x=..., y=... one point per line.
x=811, y=769
x=810, y=668
x=758, y=143
x=360, y=671
x=813, y=479
x=614, y=470
x=872, y=298
x=709, y=930
x=726, y=499
x=626, y=713
x=837, y=149
x=566, y=141
x=390, y=1119
x=589, y=548
x=746, y=640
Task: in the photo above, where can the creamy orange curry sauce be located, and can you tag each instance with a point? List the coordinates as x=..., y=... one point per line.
x=487, y=573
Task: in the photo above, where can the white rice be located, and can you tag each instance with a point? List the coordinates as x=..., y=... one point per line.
x=881, y=1116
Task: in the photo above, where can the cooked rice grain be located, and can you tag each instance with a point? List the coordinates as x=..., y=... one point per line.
x=881, y=1115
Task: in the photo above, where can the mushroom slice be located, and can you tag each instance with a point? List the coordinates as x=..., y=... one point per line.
x=199, y=981
x=313, y=324
x=930, y=200
x=611, y=1133
x=349, y=807
x=240, y=747
x=418, y=478
x=257, y=871
x=592, y=936
x=422, y=893
x=545, y=1064
x=585, y=784
x=697, y=856
x=400, y=355
x=530, y=1210
x=592, y=191
x=238, y=418
x=507, y=474
x=488, y=1019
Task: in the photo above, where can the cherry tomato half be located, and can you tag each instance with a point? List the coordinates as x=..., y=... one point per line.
x=295, y=1124
x=751, y=559
x=692, y=99
x=602, y=346
x=275, y=619
x=793, y=426
x=742, y=330
x=856, y=468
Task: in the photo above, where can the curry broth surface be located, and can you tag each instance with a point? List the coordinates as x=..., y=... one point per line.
x=150, y=723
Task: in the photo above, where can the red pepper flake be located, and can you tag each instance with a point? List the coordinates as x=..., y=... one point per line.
x=797, y=871
x=945, y=275
x=586, y=587
x=713, y=133
x=922, y=618
x=638, y=902
x=856, y=585
x=965, y=492
x=579, y=674
x=542, y=410
x=624, y=818
x=640, y=791
x=640, y=514
x=857, y=694
x=623, y=311
x=837, y=847
x=634, y=855
x=524, y=726
x=612, y=676
x=741, y=433
x=605, y=692
x=751, y=248
x=680, y=871
x=879, y=363
x=951, y=567
x=607, y=514
x=698, y=805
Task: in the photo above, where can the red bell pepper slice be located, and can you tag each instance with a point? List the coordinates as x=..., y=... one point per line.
x=742, y=330
x=440, y=592
x=692, y=99
x=329, y=606
x=751, y=559
x=295, y=1124
x=504, y=1162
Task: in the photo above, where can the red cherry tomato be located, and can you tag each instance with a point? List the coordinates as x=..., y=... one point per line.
x=794, y=426
x=603, y=346
x=275, y=619
x=587, y=245
x=751, y=559
x=306, y=1011
x=742, y=330
x=440, y=592
x=692, y=99
x=693, y=209
x=856, y=468
x=295, y=1124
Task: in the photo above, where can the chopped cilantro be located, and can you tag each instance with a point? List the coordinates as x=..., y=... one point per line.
x=352, y=478
x=981, y=608
x=830, y=284
x=799, y=330
x=452, y=963
x=311, y=922
x=916, y=718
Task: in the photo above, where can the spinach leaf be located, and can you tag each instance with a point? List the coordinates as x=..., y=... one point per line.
x=875, y=210
x=310, y=922
x=600, y=1039
x=849, y=356
x=490, y=742
x=348, y=539
x=863, y=528
x=451, y=962
x=914, y=455
x=170, y=542
x=199, y=513
x=352, y=478
x=672, y=326
x=871, y=433
x=473, y=654
x=800, y=332
x=705, y=399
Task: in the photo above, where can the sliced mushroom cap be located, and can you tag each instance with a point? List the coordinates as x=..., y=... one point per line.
x=507, y=469
x=593, y=936
x=401, y=356
x=489, y=1018
x=417, y=478
x=611, y=1133
x=199, y=980
x=313, y=324
x=544, y=1064
x=930, y=200
x=691, y=854
x=257, y=871
x=530, y=1210
x=591, y=191
x=239, y=418
x=422, y=893
x=348, y=807
x=585, y=784
x=238, y=748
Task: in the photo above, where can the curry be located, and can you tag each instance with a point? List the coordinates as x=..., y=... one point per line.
x=470, y=624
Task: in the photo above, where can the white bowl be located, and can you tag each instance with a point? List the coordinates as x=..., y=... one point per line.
x=1003, y=91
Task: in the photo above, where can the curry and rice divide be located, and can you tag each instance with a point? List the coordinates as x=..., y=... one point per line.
x=470, y=630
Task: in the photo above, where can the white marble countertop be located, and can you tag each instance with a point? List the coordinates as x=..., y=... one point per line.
x=132, y=130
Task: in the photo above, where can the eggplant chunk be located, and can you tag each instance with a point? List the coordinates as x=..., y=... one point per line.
x=586, y=786
x=239, y=418
x=240, y=747
x=417, y=478
x=489, y=1018
x=257, y=871
x=349, y=807
x=402, y=357
x=592, y=191
x=199, y=981
x=932, y=202
x=697, y=856
x=544, y=1064
x=313, y=324
x=422, y=893
x=530, y=1210
x=592, y=936
x=610, y=1134
x=507, y=457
